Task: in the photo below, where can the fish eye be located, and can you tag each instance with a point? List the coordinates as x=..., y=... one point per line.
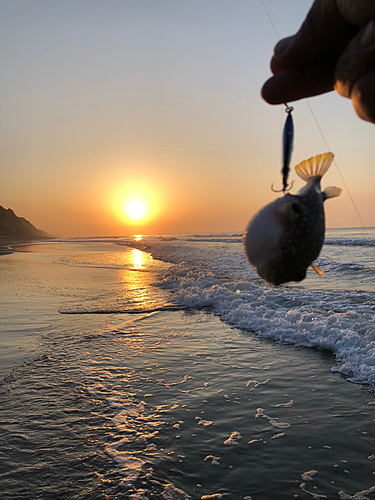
x=296, y=208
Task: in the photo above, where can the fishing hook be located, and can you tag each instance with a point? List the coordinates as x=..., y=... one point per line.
x=288, y=134
x=283, y=189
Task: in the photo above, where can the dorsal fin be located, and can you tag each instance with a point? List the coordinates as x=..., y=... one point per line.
x=315, y=166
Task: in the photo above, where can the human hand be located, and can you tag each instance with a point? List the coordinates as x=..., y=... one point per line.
x=334, y=49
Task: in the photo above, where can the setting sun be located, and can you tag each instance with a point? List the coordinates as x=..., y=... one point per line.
x=134, y=204
x=136, y=209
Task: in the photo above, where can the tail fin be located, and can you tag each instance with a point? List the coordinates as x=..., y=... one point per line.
x=313, y=167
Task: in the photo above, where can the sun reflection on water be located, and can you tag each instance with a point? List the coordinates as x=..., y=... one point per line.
x=138, y=259
x=136, y=285
x=138, y=237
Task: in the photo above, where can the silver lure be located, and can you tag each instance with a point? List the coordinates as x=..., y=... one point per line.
x=284, y=238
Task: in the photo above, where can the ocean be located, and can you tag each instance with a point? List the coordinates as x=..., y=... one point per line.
x=163, y=367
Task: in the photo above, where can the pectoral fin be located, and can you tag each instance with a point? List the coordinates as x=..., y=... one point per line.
x=317, y=269
x=331, y=192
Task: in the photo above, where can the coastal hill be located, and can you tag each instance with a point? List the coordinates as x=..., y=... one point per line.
x=12, y=226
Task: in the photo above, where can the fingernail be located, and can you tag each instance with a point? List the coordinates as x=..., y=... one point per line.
x=368, y=36
x=343, y=88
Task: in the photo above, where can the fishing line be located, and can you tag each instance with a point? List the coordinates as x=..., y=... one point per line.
x=271, y=21
x=338, y=170
x=321, y=131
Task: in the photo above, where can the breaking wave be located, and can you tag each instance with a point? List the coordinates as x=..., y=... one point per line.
x=335, y=312
x=351, y=242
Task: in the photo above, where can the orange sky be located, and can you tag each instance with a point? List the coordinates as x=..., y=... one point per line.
x=103, y=101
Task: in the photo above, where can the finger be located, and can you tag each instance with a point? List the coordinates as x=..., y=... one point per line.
x=358, y=12
x=363, y=97
x=354, y=75
x=323, y=36
x=304, y=64
x=357, y=60
x=291, y=85
x=279, y=64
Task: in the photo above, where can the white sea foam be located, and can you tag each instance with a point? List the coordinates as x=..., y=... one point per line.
x=253, y=384
x=315, y=496
x=233, y=439
x=279, y=425
x=217, y=276
x=204, y=423
x=308, y=476
x=214, y=496
x=139, y=495
x=214, y=460
x=284, y=405
x=360, y=495
x=135, y=429
x=129, y=464
x=279, y=435
x=172, y=493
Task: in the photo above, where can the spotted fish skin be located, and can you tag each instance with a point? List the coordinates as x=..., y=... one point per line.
x=286, y=236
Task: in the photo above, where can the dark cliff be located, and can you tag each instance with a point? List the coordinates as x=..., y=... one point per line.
x=13, y=226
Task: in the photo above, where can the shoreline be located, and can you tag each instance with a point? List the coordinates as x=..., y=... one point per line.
x=7, y=242
x=167, y=401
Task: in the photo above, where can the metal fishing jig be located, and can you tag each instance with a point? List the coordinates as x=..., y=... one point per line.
x=288, y=135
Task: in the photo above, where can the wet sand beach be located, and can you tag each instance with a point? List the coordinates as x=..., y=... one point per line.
x=10, y=244
x=5, y=243
x=183, y=400
x=163, y=405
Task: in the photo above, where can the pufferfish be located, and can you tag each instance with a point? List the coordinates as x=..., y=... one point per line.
x=286, y=236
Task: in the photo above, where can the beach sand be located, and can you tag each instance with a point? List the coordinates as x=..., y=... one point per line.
x=10, y=244
x=5, y=243
x=245, y=416
x=210, y=409
x=166, y=405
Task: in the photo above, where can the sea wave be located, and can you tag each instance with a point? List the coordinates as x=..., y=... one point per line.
x=216, y=240
x=353, y=242
x=342, y=321
x=360, y=273
x=237, y=238
x=207, y=236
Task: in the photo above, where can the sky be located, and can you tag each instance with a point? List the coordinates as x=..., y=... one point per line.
x=105, y=101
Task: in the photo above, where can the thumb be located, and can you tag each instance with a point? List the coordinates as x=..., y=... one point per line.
x=355, y=73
